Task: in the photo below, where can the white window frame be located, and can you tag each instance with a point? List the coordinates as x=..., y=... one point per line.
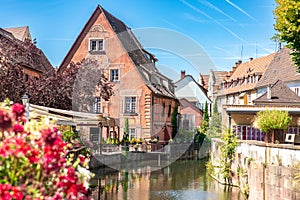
x=132, y=133
x=130, y=104
x=114, y=77
x=97, y=105
x=249, y=97
x=97, y=44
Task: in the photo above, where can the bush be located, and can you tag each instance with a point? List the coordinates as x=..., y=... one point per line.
x=272, y=119
x=34, y=162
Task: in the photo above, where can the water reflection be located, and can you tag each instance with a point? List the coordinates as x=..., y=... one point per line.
x=181, y=180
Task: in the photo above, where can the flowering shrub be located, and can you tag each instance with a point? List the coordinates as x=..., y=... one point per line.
x=34, y=162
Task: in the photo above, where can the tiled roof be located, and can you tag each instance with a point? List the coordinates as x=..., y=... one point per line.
x=156, y=82
x=258, y=65
x=280, y=94
x=21, y=33
x=281, y=67
x=24, y=53
x=203, y=80
x=254, y=67
x=219, y=76
x=144, y=65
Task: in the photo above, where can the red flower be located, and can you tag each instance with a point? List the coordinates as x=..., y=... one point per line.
x=82, y=159
x=18, y=128
x=5, y=120
x=33, y=156
x=18, y=110
x=8, y=192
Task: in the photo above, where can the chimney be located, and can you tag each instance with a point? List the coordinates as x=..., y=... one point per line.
x=240, y=62
x=250, y=59
x=269, y=94
x=182, y=74
x=233, y=69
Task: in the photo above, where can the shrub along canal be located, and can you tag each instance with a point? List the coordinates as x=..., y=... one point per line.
x=183, y=179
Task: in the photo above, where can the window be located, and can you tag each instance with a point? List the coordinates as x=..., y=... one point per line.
x=96, y=45
x=169, y=110
x=130, y=104
x=94, y=135
x=131, y=133
x=114, y=75
x=97, y=105
x=163, y=109
x=26, y=77
x=249, y=97
x=297, y=91
x=185, y=124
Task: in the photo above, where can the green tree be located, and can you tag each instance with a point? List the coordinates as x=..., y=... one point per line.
x=215, y=109
x=205, y=120
x=126, y=130
x=228, y=149
x=174, y=121
x=287, y=15
x=126, y=126
x=215, y=123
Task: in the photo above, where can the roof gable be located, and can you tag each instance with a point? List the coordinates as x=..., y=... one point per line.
x=280, y=93
x=188, y=85
x=21, y=33
x=24, y=53
x=141, y=59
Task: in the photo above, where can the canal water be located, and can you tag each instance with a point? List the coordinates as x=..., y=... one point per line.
x=182, y=180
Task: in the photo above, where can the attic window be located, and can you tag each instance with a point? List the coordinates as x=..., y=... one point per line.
x=96, y=45
x=113, y=25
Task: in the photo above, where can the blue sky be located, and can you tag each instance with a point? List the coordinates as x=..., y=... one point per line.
x=227, y=30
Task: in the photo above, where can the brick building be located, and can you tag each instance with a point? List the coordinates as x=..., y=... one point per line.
x=141, y=93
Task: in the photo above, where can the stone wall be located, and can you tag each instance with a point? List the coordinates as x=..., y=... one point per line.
x=263, y=171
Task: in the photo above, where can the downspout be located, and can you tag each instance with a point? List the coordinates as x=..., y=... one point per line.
x=229, y=121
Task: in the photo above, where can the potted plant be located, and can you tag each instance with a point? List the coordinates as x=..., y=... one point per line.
x=273, y=123
x=155, y=140
x=136, y=146
x=133, y=140
x=140, y=141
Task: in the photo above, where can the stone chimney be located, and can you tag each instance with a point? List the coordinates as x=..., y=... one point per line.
x=182, y=74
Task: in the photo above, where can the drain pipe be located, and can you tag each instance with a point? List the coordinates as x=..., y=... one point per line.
x=229, y=121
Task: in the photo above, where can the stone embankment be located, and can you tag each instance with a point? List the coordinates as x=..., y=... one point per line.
x=262, y=171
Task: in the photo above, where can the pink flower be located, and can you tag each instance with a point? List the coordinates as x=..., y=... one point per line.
x=5, y=120
x=82, y=159
x=8, y=192
x=18, y=128
x=18, y=110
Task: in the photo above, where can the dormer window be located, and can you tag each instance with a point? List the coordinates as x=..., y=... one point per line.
x=96, y=45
